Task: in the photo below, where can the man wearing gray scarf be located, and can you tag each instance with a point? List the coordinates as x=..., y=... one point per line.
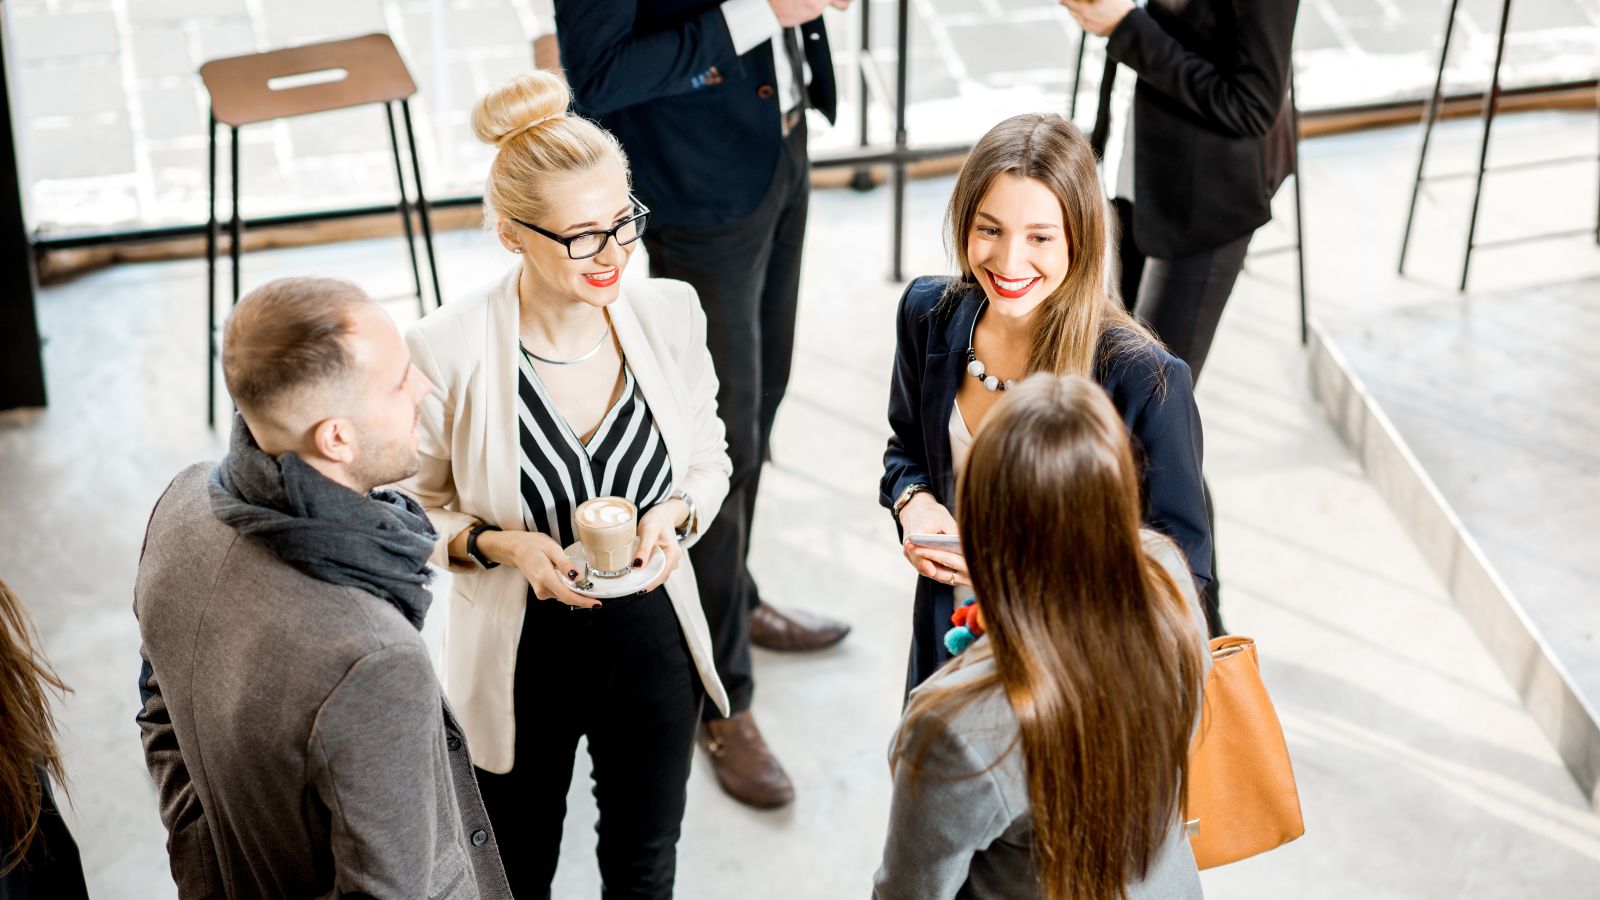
x=292, y=722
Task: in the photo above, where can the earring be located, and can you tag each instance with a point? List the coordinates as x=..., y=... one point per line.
x=517, y=251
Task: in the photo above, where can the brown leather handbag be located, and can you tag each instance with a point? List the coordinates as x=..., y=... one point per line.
x=1242, y=798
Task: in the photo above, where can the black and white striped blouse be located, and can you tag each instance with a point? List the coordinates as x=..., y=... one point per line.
x=623, y=458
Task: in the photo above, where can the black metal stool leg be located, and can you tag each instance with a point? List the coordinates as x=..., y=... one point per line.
x=1077, y=75
x=405, y=210
x=1490, y=100
x=902, y=72
x=211, y=275
x=1429, y=117
x=1299, y=218
x=861, y=178
x=235, y=224
x=422, y=203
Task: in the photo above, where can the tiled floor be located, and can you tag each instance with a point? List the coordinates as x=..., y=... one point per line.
x=112, y=117
x=1421, y=775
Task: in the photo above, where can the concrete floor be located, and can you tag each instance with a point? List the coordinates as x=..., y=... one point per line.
x=1420, y=774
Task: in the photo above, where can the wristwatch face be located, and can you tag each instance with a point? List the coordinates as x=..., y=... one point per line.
x=906, y=495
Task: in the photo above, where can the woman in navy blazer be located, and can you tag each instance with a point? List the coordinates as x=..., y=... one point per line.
x=1027, y=227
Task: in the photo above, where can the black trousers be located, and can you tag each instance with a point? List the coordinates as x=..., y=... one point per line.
x=621, y=676
x=747, y=273
x=1182, y=299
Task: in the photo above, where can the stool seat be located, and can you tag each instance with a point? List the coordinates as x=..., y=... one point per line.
x=361, y=70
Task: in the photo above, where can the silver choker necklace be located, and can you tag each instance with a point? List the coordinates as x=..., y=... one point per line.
x=568, y=362
x=975, y=366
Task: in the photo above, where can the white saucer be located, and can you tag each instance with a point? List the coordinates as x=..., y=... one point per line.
x=622, y=585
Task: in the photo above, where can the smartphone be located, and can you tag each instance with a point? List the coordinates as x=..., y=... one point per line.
x=951, y=542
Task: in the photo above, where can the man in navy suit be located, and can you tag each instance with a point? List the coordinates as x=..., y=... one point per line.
x=709, y=100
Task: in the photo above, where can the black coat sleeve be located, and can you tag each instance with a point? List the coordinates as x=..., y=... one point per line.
x=905, y=460
x=1166, y=428
x=1241, y=101
x=611, y=67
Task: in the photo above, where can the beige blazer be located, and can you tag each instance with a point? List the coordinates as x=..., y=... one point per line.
x=468, y=349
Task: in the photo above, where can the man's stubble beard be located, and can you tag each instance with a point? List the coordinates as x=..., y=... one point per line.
x=381, y=465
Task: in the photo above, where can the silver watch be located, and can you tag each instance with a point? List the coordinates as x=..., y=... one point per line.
x=692, y=523
x=905, y=497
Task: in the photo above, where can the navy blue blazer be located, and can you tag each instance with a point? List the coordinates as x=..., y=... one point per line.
x=930, y=361
x=702, y=125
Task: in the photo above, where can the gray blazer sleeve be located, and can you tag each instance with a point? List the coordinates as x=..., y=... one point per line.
x=371, y=760
x=189, y=852
x=939, y=818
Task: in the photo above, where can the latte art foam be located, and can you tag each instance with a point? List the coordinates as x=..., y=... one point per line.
x=599, y=515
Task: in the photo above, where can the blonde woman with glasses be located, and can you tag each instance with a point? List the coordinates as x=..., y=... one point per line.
x=560, y=383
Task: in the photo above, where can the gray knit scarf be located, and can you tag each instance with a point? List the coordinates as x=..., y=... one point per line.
x=378, y=542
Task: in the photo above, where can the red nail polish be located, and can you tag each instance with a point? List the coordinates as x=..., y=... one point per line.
x=573, y=574
x=637, y=563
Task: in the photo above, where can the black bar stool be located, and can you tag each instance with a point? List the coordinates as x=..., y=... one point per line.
x=297, y=81
x=1491, y=102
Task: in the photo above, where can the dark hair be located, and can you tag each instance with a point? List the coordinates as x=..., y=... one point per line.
x=284, y=335
x=28, y=735
x=1094, y=644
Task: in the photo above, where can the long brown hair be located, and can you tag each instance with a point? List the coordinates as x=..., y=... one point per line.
x=1094, y=644
x=27, y=739
x=1071, y=325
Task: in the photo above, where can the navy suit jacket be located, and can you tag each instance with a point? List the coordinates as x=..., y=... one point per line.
x=701, y=124
x=930, y=361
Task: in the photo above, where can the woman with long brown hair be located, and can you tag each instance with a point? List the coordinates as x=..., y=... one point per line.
x=1048, y=759
x=38, y=857
x=1027, y=228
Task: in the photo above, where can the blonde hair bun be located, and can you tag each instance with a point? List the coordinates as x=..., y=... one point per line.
x=516, y=107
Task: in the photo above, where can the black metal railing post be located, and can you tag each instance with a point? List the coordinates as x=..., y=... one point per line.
x=21, y=349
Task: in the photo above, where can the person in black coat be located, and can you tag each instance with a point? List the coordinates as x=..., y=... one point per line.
x=1028, y=230
x=1209, y=141
x=709, y=99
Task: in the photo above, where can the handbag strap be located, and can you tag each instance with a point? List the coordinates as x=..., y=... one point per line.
x=1229, y=644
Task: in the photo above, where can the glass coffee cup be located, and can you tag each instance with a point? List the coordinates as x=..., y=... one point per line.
x=608, y=530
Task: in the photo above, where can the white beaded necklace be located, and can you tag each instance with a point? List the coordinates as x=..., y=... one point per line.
x=975, y=366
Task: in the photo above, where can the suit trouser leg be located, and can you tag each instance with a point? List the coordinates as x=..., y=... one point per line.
x=642, y=746
x=1182, y=298
x=729, y=266
x=780, y=301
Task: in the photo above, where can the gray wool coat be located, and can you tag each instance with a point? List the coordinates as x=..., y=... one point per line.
x=972, y=838
x=295, y=729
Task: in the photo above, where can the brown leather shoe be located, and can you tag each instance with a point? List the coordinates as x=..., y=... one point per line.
x=793, y=631
x=745, y=768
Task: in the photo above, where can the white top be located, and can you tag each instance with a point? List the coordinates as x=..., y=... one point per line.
x=749, y=23
x=1118, y=161
x=960, y=437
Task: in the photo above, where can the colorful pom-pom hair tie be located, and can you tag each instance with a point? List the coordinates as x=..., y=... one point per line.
x=968, y=627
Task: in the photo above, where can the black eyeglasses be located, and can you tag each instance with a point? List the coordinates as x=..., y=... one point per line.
x=590, y=243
